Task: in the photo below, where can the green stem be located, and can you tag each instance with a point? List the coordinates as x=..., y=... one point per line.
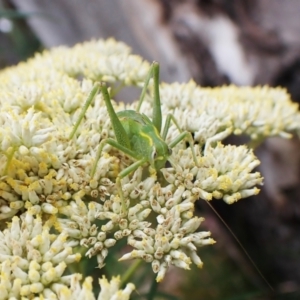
x=153, y=289
x=128, y=274
x=253, y=144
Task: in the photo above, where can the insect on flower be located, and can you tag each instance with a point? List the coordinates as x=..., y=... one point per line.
x=136, y=135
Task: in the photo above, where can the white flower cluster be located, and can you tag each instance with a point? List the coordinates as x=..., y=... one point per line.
x=46, y=174
x=109, y=290
x=225, y=173
x=32, y=260
x=33, y=263
x=256, y=111
x=174, y=240
x=108, y=61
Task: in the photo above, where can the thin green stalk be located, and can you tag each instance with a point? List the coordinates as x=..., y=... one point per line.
x=153, y=289
x=253, y=144
x=128, y=274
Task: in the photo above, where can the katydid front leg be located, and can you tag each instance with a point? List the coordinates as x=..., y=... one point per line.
x=123, y=173
x=180, y=137
x=88, y=102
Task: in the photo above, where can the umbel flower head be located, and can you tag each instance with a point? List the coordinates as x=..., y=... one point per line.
x=33, y=260
x=46, y=175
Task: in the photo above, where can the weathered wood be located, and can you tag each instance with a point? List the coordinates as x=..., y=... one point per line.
x=66, y=22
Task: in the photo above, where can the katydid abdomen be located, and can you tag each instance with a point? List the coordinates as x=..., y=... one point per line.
x=145, y=140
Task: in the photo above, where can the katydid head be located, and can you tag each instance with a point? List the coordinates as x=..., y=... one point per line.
x=159, y=155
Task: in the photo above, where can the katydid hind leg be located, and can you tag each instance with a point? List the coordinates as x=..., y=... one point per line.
x=118, y=128
x=156, y=116
x=145, y=87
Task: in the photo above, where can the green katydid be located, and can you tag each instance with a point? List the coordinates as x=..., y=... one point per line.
x=142, y=139
x=136, y=135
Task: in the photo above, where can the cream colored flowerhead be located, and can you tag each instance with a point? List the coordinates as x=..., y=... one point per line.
x=67, y=193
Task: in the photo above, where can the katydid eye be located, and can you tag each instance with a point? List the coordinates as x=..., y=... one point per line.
x=170, y=151
x=153, y=154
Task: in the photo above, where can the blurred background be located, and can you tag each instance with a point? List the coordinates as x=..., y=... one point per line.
x=215, y=42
